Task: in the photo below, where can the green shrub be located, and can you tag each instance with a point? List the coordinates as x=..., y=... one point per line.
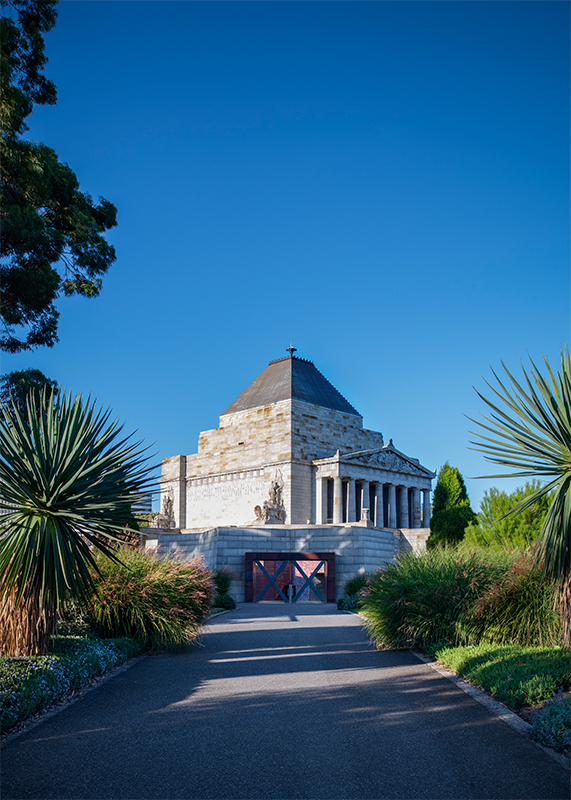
x=493, y=528
x=222, y=580
x=551, y=724
x=224, y=601
x=30, y=684
x=355, y=584
x=158, y=601
x=519, y=609
x=514, y=675
x=73, y=620
x=451, y=511
x=421, y=600
x=349, y=602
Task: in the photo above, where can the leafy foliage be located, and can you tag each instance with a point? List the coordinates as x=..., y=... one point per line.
x=530, y=431
x=451, y=512
x=52, y=233
x=28, y=685
x=15, y=386
x=514, y=675
x=225, y=601
x=355, y=584
x=68, y=478
x=551, y=724
x=495, y=526
x=222, y=580
x=349, y=602
x=423, y=600
x=158, y=601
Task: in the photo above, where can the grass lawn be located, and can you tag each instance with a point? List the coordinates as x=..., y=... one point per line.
x=531, y=680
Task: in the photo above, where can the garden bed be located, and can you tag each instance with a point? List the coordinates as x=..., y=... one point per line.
x=28, y=685
x=532, y=681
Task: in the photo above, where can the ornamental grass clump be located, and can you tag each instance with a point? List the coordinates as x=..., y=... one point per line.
x=158, y=601
x=423, y=600
x=518, y=609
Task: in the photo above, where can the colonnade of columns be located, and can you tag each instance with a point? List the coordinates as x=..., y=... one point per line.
x=390, y=505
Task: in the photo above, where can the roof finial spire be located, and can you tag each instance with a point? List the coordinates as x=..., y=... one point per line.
x=291, y=350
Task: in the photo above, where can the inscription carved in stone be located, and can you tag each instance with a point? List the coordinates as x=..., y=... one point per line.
x=224, y=491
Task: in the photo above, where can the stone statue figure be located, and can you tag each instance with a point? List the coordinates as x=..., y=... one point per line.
x=166, y=518
x=168, y=507
x=272, y=509
x=275, y=493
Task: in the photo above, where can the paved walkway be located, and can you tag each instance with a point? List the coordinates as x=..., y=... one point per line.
x=279, y=703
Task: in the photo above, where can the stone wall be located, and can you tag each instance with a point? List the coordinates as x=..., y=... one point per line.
x=413, y=539
x=231, y=473
x=357, y=548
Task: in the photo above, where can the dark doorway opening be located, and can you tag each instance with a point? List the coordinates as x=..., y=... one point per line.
x=290, y=577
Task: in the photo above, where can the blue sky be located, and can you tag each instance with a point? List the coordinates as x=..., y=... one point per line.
x=385, y=184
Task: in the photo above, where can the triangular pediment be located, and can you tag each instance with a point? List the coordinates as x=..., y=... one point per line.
x=389, y=458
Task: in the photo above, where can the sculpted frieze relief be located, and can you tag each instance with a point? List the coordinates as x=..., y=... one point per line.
x=389, y=461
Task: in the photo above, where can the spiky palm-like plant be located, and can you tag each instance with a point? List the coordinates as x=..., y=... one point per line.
x=531, y=432
x=68, y=478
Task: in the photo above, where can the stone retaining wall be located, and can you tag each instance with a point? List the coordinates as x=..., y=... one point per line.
x=358, y=548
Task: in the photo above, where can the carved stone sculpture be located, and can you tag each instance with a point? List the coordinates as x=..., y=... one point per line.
x=272, y=509
x=166, y=519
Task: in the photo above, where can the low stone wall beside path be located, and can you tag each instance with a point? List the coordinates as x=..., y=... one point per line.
x=358, y=547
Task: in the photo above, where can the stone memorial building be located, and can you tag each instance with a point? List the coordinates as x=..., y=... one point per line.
x=291, y=477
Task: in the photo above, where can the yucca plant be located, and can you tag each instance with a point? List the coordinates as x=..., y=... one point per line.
x=68, y=478
x=531, y=432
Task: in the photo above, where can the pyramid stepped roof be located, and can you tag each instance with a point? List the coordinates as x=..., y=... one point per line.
x=291, y=378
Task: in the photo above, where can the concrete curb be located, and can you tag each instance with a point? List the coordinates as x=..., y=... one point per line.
x=497, y=708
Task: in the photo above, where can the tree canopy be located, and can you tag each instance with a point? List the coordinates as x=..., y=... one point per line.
x=52, y=233
x=495, y=525
x=451, y=511
x=16, y=385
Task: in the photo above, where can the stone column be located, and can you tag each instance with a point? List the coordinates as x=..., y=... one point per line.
x=337, y=500
x=365, y=500
x=404, y=507
x=426, y=508
x=320, y=501
x=379, y=515
x=351, y=516
x=416, y=508
x=392, y=505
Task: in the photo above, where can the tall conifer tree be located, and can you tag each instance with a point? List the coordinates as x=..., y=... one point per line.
x=451, y=511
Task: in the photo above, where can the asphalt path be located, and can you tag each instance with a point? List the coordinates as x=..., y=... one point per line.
x=279, y=702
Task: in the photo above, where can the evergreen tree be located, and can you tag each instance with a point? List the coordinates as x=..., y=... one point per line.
x=495, y=526
x=52, y=234
x=16, y=385
x=451, y=512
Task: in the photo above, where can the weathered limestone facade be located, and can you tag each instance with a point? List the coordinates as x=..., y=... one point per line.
x=291, y=466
